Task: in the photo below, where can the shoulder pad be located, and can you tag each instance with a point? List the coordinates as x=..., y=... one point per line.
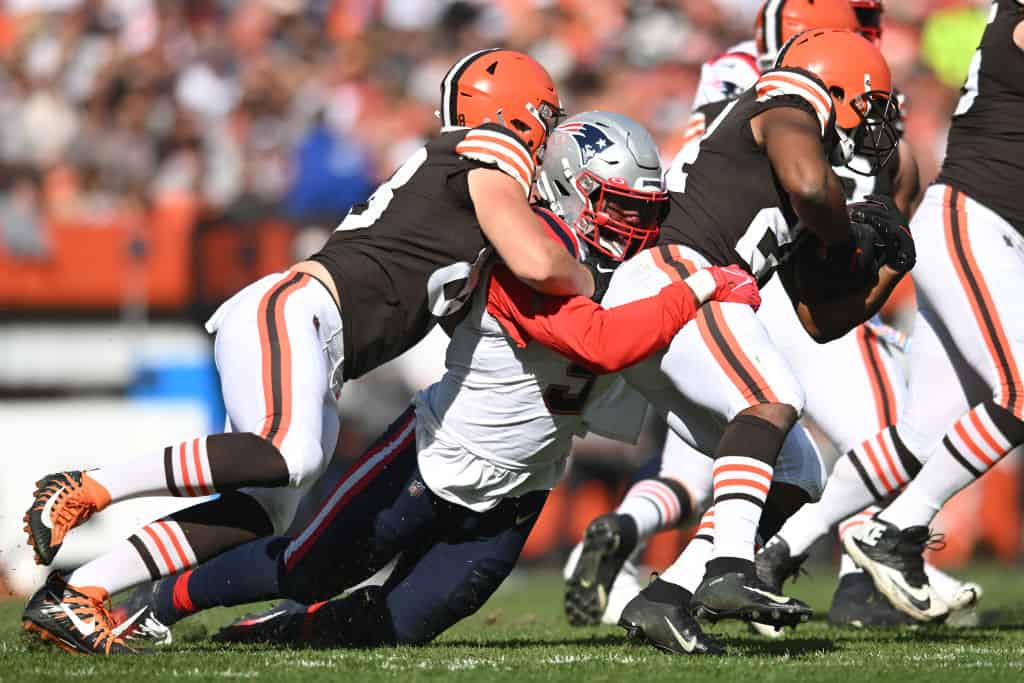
x=497, y=146
x=797, y=82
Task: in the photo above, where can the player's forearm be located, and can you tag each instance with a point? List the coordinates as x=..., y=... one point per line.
x=822, y=209
x=609, y=340
x=554, y=272
x=830, y=320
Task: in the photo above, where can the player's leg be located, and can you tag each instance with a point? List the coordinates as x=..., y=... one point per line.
x=443, y=576
x=651, y=505
x=865, y=475
x=984, y=313
x=285, y=405
x=274, y=373
x=359, y=528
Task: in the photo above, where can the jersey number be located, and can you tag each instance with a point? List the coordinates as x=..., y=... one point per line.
x=367, y=214
x=569, y=399
x=449, y=288
x=970, y=90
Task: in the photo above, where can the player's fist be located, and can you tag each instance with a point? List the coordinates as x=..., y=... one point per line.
x=731, y=284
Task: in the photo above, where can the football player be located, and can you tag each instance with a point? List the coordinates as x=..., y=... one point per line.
x=457, y=482
x=965, y=405
x=727, y=389
x=681, y=489
x=409, y=256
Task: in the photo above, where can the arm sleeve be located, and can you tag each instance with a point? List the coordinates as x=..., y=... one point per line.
x=582, y=330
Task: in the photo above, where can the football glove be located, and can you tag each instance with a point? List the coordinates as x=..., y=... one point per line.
x=897, y=244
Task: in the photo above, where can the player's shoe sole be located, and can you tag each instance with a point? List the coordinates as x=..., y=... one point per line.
x=602, y=557
x=670, y=628
x=893, y=559
x=737, y=595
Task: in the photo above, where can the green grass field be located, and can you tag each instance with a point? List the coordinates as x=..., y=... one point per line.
x=520, y=635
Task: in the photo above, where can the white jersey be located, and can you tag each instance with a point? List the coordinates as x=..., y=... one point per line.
x=500, y=422
x=728, y=74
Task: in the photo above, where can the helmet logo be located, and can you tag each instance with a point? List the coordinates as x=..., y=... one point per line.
x=589, y=138
x=867, y=82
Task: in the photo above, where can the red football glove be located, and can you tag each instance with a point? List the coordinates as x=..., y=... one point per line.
x=735, y=285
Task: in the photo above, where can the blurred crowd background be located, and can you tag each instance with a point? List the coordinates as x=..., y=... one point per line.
x=156, y=155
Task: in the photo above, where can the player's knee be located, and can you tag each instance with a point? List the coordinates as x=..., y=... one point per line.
x=305, y=460
x=782, y=415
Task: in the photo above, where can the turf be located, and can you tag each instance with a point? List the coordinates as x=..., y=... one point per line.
x=520, y=635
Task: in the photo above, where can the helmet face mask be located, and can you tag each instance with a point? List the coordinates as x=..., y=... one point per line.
x=876, y=136
x=619, y=221
x=602, y=175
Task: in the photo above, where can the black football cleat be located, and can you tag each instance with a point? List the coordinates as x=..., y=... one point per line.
x=282, y=624
x=607, y=544
x=858, y=604
x=775, y=565
x=136, y=620
x=894, y=559
x=666, y=626
x=73, y=619
x=741, y=595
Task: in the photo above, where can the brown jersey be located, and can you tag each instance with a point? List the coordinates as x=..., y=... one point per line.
x=730, y=207
x=985, y=152
x=412, y=254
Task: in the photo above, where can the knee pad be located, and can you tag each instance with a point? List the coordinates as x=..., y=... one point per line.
x=800, y=463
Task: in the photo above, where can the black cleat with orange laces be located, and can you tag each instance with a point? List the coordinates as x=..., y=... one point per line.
x=62, y=501
x=74, y=619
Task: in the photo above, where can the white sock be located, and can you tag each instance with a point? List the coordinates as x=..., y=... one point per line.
x=740, y=487
x=119, y=568
x=186, y=463
x=158, y=549
x=688, y=569
x=846, y=566
x=653, y=505
x=976, y=442
x=845, y=493
x=942, y=583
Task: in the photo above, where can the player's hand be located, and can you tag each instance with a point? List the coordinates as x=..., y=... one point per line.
x=881, y=212
x=730, y=284
x=853, y=264
x=601, y=269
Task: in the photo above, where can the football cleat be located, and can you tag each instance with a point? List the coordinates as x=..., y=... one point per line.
x=281, y=624
x=135, y=619
x=668, y=627
x=607, y=544
x=73, y=619
x=774, y=565
x=893, y=558
x=62, y=502
x=741, y=595
x=859, y=604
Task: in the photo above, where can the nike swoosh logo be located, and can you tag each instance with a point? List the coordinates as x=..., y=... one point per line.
x=252, y=621
x=85, y=628
x=604, y=270
x=782, y=599
x=47, y=513
x=688, y=644
x=127, y=623
x=920, y=598
x=524, y=518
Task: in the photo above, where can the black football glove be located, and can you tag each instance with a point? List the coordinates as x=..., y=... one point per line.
x=880, y=212
x=853, y=265
x=601, y=268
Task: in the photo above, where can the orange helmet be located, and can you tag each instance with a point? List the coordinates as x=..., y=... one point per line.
x=857, y=77
x=780, y=20
x=504, y=87
x=869, y=16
